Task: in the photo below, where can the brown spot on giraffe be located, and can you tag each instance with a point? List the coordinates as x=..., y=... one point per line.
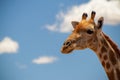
x=118, y=73
x=108, y=65
x=105, y=57
x=111, y=75
x=100, y=55
x=103, y=63
x=112, y=57
x=103, y=49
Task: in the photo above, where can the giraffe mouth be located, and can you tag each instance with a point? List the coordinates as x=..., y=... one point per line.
x=66, y=50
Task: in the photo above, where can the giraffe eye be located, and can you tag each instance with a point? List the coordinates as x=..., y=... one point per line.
x=89, y=31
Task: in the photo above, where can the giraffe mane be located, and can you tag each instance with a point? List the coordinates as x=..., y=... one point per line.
x=114, y=46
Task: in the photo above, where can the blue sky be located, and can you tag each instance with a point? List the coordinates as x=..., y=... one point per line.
x=31, y=38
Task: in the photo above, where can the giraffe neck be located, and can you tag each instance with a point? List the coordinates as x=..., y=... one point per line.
x=109, y=56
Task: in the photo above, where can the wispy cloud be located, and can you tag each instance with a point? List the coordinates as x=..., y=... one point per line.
x=109, y=9
x=21, y=66
x=9, y=46
x=45, y=60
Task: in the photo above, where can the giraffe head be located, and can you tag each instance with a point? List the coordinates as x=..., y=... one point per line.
x=84, y=34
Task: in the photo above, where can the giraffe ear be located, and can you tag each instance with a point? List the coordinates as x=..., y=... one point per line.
x=74, y=23
x=100, y=23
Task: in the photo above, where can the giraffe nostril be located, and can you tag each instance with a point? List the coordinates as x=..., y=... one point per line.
x=68, y=43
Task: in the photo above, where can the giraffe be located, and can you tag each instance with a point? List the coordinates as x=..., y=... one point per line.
x=88, y=34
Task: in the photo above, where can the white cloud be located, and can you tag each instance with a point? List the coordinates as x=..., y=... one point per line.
x=45, y=60
x=7, y=45
x=109, y=9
